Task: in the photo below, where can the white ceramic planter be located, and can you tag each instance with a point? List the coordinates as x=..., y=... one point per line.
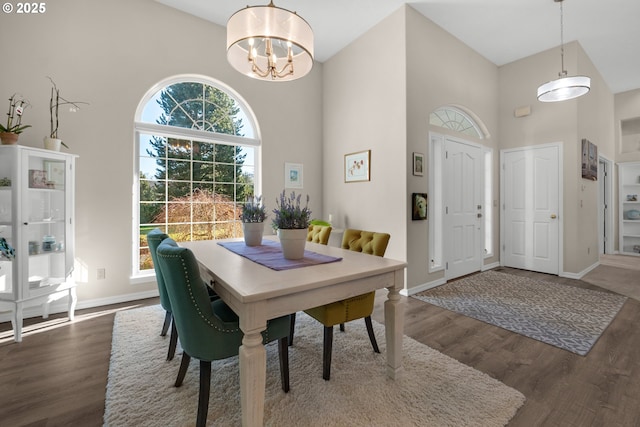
x=293, y=242
x=52, y=143
x=252, y=232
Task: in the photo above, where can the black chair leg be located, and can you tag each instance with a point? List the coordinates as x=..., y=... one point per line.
x=184, y=365
x=167, y=322
x=372, y=337
x=292, y=328
x=341, y=327
x=283, y=354
x=326, y=354
x=203, y=396
x=173, y=341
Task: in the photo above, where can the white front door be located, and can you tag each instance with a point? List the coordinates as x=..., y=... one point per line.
x=531, y=209
x=463, y=197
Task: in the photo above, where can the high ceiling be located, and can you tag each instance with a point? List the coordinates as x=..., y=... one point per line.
x=500, y=30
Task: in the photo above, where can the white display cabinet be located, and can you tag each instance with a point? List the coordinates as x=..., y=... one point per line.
x=37, y=221
x=629, y=197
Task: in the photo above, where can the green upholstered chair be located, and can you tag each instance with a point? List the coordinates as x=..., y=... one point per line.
x=154, y=238
x=319, y=234
x=209, y=330
x=353, y=308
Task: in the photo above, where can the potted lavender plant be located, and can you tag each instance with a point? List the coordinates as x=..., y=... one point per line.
x=291, y=221
x=253, y=215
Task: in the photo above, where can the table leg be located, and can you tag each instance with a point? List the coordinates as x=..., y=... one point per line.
x=253, y=372
x=394, y=328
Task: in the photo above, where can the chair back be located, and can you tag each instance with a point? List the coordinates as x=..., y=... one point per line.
x=154, y=238
x=319, y=234
x=202, y=333
x=368, y=242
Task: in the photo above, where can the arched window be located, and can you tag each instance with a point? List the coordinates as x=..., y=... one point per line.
x=456, y=119
x=197, y=157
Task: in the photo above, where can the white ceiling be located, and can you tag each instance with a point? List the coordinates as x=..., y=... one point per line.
x=501, y=30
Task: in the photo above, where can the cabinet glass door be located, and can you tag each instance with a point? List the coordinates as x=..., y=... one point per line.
x=7, y=242
x=44, y=210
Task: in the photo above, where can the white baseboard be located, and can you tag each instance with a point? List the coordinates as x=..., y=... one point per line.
x=423, y=287
x=491, y=266
x=580, y=274
x=61, y=305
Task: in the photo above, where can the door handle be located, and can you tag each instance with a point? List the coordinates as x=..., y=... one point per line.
x=553, y=216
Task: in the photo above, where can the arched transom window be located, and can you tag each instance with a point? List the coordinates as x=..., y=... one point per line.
x=456, y=120
x=197, y=157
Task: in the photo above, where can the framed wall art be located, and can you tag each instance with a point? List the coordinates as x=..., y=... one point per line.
x=419, y=206
x=293, y=176
x=357, y=166
x=418, y=164
x=589, y=160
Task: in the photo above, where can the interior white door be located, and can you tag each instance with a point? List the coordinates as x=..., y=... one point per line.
x=463, y=197
x=531, y=209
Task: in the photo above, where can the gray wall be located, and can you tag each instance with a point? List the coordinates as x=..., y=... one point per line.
x=442, y=71
x=364, y=108
x=109, y=54
x=590, y=117
x=376, y=95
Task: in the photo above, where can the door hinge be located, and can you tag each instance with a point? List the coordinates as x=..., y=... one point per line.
x=446, y=210
x=446, y=265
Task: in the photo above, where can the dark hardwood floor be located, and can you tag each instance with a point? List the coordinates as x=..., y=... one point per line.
x=57, y=376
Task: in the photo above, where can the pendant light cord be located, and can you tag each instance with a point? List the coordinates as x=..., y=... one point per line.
x=563, y=72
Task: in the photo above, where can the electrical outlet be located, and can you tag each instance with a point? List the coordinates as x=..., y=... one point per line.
x=101, y=274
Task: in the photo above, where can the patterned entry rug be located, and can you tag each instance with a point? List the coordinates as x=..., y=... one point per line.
x=564, y=316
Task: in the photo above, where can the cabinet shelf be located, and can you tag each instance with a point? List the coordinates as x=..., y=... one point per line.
x=628, y=187
x=35, y=218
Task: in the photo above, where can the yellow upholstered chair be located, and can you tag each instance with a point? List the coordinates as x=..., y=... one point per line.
x=319, y=234
x=353, y=308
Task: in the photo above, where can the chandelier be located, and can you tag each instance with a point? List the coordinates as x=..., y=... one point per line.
x=565, y=87
x=269, y=43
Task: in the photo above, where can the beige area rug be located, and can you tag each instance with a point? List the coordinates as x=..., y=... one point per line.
x=435, y=390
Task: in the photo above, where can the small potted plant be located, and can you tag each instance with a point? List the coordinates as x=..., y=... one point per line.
x=52, y=142
x=253, y=215
x=291, y=221
x=9, y=133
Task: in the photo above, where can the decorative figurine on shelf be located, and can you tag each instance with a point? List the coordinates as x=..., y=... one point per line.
x=6, y=250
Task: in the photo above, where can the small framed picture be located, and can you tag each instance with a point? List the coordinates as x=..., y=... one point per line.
x=419, y=206
x=293, y=175
x=55, y=173
x=418, y=164
x=357, y=166
x=37, y=179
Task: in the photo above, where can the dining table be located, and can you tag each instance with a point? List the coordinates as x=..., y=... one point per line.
x=257, y=292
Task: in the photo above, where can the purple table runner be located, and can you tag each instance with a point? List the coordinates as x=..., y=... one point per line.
x=269, y=254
